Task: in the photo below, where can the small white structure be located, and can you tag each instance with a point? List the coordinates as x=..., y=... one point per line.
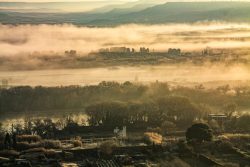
x=121, y=133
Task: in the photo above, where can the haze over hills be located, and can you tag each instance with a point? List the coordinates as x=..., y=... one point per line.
x=98, y=6
x=171, y=12
x=130, y=6
x=43, y=7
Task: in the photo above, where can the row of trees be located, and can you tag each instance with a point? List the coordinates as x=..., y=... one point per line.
x=28, y=99
x=112, y=103
x=176, y=109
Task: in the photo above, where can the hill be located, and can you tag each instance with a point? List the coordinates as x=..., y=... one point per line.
x=171, y=12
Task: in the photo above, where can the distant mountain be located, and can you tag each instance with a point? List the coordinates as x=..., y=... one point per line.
x=171, y=12
x=192, y=12
x=120, y=9
x=130, y=6
x=44, y=7
x=181, y=12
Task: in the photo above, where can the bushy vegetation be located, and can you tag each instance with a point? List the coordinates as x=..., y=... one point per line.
x=240, y=124
x=49, y=153
x=108, y=147
x=25, y=142
x=236, y=138
x=199, y=132
x=9, y=153
x=51, y=144
x=28, y=138
x=25, y=145
x=243, y=123
x=77, y=143
x=224, y=146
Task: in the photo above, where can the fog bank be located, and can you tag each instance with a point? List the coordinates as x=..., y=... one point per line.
x=185, y=75
x=25, y=39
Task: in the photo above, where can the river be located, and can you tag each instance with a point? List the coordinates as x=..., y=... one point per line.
x=182, y=74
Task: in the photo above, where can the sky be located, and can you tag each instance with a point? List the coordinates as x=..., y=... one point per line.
x=100, y=0
x=59, y=0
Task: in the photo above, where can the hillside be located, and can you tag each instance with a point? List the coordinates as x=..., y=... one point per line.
x=195, y=11
x=172, y=12
x=180, y=12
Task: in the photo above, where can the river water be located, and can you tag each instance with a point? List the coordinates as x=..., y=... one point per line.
x=181, y=74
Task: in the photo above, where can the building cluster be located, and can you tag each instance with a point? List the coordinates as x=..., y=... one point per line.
x=70, y=52
x=123, y=50
x=174, y=51
x=207, y=51
x=171, y=51
x=144, y=50
x=116, y=50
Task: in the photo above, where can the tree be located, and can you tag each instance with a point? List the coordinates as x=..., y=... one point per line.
x=229, y=109
x=214, y=125
x=167, y=126
x=179, y=109
x=18, y=129
x=110, y=114
x=108, y=147
x=199, y=132
x=1, y=131
x=243, y=123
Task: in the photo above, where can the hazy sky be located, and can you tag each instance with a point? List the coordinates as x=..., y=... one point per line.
x=102, y=0
x=64, y=0
x=107, y=0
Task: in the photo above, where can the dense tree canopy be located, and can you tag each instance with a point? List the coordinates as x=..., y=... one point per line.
x=199, y=132
x=125, y=103
x=173, y=108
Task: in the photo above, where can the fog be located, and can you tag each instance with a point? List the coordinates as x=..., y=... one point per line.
x=19, y=42
x=25, y=39
x=185, y=75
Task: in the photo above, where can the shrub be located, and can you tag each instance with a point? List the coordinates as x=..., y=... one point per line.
x=108, y=147
x=41, y=150
x=48, y=153
x=243, y=123
x=1, y=136
x=28, y=138
x=183, y=147
x=9, y=153
x=77, y=143
x=166, y=126
x=238, y=137
x=225, y=146
x=33, y=150
x=25, y=145
x=1, y=131
x=55, y=144
x=1, y=145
